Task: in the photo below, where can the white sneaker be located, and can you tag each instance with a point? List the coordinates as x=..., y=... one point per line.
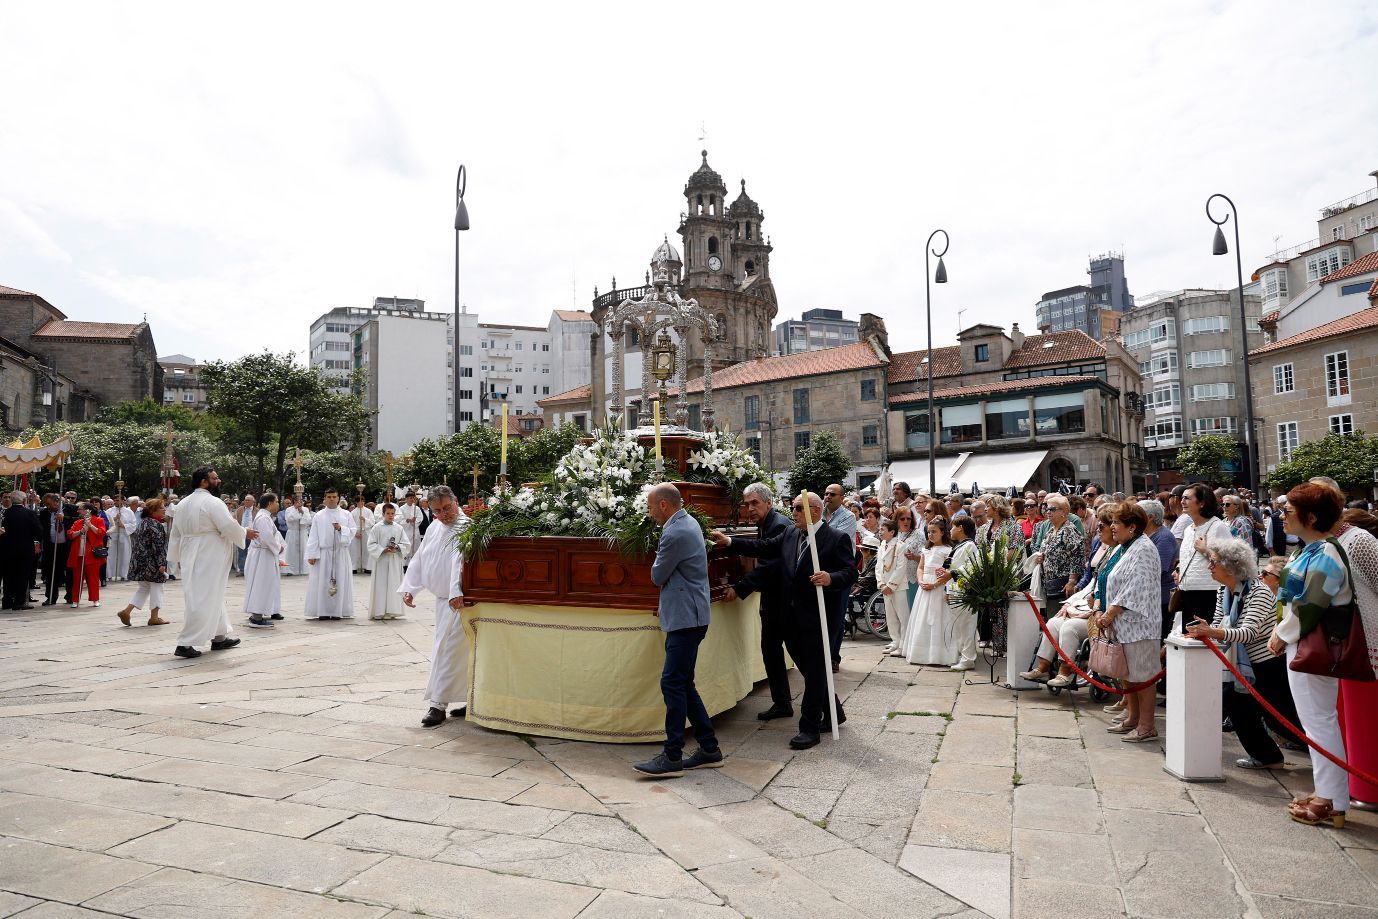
x=897, y=653
x=887, y=649
x=96, y=604
x=961, y=667
x=1059, y=682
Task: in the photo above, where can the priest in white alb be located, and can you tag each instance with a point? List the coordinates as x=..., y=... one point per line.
x=298, y=528
x=262, y=584
x=123, y=523
x=330, y=590
x=409, y=518
x=436, y=567
x=387, y=546
x=362, y=518
x=202, y=543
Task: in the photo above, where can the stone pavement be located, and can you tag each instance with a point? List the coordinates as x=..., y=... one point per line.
x=290, y=777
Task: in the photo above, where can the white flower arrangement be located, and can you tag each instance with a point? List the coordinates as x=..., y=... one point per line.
x=724, y=461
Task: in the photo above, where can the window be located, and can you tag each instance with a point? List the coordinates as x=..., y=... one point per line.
x=695, y=420
x=581, y=422
x=1060, y=413
x=1164, y=433
x=982, y=353
x=712, y=245
x=1165, y=363
x=1164, y=398
x=1342, y=424
x=1163, y=331
x=1206, y=324
x=545, y=368
x=1274, y=284
x=545, y=390
x=517, y=368
x=519, y=346
x=466, y=350
x=868, y=390
x=1345, y=291
x=466, y=394
x=801, y=441
x=1211, y=392
x=1136, y=339
x=519, y=389
x=751, y=408
x=337, y=346
x=915, y=430
x=754, y=445
x=466, y=416
x=1337, y=378
x=801, y=406
x=1216, y=357
x=466, y=371
x=1288, y=440
x=1007, y=418
x=1323, y=263
x=870, y=435
x=1367, y=222
x=1337, y=232
x=1282, y=379
x=960, y=424
x=544, y=347
x=1202, y=426
x=483, y=344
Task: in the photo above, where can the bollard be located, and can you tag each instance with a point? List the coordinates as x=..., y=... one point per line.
x=1022, y=636
x=1193, y=711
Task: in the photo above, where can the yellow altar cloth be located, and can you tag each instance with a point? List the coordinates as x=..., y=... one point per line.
x=594, y=673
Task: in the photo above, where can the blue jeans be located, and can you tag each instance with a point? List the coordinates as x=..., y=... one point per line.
x=681, y=698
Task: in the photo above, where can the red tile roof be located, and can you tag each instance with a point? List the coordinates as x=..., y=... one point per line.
x=1270, y=316
x=989, y=388
x=577, y=394
x=1355, y=322
x=859, y=356
x=71, y=328
x=574, y=315
x=1056, y=348
x=908, y=366
x=13, y=292
x=1359, y=266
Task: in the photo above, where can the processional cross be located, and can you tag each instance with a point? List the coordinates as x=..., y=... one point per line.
x=475, y=471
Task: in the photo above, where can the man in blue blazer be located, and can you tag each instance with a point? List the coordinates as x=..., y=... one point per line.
x=758, y=503
x=680, y=571
x=804, y=638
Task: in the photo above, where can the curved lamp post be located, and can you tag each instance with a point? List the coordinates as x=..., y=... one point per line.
x=1220, y=247
x=461, y=224
x=940, y=277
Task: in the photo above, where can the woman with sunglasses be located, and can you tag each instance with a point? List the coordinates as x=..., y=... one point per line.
x=1237, y=517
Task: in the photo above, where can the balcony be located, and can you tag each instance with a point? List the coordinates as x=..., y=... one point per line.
x=1339, y=207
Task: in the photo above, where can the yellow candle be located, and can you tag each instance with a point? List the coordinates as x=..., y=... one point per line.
x=504, y=435
x=656, y=406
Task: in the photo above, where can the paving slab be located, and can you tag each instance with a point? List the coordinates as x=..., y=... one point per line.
x=979, y=879
x=602, y=832
x=1153, y=852
x=389, y=775
x=873, y=886
x=1056, y=807
x=77, y=826
x=12, y=903
x=689, y=836
x=810, y=803
x=616, y=904
x=458, y=892
x=980, y=739
x=970, y=777
x=1066, y=898
x=1052, y=761
x=1046, y=722
x=768, y=888
x=1046, y=855
x=775, y=830
x=172, y=893
x=239, y=780
x=47, y=872
x=961, y=820
x=79, y=757
x=560, y=797
x=371, y=833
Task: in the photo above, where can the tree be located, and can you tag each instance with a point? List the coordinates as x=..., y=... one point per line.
x=343, y=470
x=822, y=464
x=450, y=459
x=539, y=453
x=1204, y=458
x=103, y=451
x=276, y=404
x=1349, y=459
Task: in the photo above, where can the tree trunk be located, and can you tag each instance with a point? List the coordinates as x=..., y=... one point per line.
x=282, y=460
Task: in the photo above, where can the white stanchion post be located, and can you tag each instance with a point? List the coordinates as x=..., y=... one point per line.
x=1193, y=711
x=1021, y=641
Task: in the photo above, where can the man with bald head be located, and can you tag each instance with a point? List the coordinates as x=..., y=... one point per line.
x=681, y=572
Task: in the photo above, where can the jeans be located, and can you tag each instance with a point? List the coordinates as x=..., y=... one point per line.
x=681, y=698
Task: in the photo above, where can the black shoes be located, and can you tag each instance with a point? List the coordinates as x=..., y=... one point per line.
x=433, y=717
x=802, y=741
x=827, y=725
x=459, y=710
x=775, y=711
x=186, y=651
x=661, y=767
x=702, y=759
x=259, y=622
x=221, y=644
x=275, y=616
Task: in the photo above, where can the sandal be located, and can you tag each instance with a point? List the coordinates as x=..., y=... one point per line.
x=1136, y=737
x=1314, y=812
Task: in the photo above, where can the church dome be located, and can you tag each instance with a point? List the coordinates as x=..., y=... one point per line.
x=744, y=206
x=666, y=253
x=705, y=179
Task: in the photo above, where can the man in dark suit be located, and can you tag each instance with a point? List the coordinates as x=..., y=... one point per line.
x=680, y=571
x=54, y=520
x=757, y=502
x=20, y=544
x=804, y=637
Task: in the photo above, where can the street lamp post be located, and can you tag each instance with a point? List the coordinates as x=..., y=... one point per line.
x=461, y=224
x=1220, y=247
x=940, y=277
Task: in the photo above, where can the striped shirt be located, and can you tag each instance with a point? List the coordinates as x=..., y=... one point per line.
x=1256, y=620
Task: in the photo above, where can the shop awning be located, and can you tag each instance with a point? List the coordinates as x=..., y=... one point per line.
x=992, y=471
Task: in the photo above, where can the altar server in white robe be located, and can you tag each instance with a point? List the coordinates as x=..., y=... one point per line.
x=298, y=528
x=409, y=516
x=362, y=518
x=203, y=542
x=387, y=546
x=436, y=567
x=330, y=590
x=123, y=523
x=262, y=587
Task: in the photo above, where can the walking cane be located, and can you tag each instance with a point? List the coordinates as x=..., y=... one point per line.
x=822, y=614
x=61, y=473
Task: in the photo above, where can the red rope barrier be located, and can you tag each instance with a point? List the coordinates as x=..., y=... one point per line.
x=1353, y=770
x=1131, y=688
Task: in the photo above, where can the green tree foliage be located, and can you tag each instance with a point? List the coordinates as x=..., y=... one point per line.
x=1347, y=458
x=822, y=464
x=537, y=454
x=275, y=404
x=342, y=470
x=451, y=459
x=102, y=449
x=1204, y=458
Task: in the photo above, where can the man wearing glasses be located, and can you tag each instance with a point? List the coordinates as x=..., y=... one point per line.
x=803, y=638
x=841, y=519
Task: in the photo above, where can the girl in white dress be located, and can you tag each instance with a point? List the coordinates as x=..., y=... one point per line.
x=387, y=547
x=892, y=574
x=262, y=586
x=930, y=637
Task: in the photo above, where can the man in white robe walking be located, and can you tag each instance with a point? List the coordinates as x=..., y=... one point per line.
x=409, y=518
x=203, y=542
x=436, y=567
x=330, y=589
x=262, y=587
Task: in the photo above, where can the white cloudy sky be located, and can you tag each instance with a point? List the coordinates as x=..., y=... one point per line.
x=235, y=170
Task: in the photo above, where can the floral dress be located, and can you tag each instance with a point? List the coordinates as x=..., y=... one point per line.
x=149, y=555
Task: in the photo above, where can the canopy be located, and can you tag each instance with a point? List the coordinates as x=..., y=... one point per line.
x=21, y=458
x=992, y=471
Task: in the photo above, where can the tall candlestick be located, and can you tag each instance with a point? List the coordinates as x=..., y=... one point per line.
x=812, y=540
x=502, y=465
x=660, y=461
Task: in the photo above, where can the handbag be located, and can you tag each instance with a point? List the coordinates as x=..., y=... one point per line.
x=1035, y=572
x=102, y=552
x=1107, y=657
x=1336, y=646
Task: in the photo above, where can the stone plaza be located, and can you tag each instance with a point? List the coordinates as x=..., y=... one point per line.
x=290, y=777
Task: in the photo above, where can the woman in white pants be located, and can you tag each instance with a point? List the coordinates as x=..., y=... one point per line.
x=1314, y=580
x=892, y=575
x=148, y=564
